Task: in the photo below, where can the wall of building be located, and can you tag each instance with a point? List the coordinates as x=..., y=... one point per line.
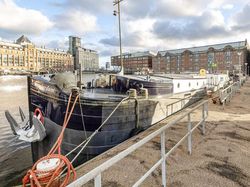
x=134, y=62
x=226, y=58
x=88, y=59
x=29, y=57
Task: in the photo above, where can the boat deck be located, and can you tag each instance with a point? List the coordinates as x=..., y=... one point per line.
x=219, y=149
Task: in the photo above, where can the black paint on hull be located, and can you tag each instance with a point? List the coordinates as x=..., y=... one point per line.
x=52, y=101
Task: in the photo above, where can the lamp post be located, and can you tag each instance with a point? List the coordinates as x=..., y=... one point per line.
x=117, y=2
x=239, y=54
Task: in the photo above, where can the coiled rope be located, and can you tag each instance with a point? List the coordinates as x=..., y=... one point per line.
x=37, y=178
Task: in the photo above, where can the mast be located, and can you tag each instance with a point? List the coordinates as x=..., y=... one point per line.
x=117, y=2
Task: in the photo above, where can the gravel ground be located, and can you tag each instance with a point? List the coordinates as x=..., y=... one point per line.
x=220, y=158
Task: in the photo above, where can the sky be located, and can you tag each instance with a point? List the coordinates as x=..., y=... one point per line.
x=146, y=24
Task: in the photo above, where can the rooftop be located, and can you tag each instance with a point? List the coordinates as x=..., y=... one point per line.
x=138, y=54
x=23, y=39
x=236, y=45
x=20, y=43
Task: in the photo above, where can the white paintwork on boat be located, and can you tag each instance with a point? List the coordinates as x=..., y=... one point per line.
x=167, y=106
x=217, y=81
x=185, y=85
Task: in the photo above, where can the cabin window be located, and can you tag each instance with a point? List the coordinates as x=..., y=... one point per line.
x=197, y=84
x=189, y=84
x=178, y=85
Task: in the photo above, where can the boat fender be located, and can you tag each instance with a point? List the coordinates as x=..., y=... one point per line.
x=38, y=114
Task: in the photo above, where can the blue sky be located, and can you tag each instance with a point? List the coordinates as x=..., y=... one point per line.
x=146, y=24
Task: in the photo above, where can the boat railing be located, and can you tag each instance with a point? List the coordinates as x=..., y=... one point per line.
x=96, y=173
x=226, y=94
x=176, y=106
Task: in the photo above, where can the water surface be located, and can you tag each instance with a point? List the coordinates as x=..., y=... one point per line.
x=15, y=155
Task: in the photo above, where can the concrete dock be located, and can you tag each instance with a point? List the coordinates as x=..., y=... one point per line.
x=221, y=157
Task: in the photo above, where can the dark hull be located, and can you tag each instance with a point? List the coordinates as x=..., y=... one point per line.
x=128, y=118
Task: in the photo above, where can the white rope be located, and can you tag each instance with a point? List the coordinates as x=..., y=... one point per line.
x=86, y=141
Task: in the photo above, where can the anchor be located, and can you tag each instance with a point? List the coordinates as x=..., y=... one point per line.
x=25, y=130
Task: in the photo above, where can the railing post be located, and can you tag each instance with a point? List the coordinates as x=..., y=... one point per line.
x=98, y=180
x=203, y=119
x=190, y=135
x=207, y=109
x=163, y=164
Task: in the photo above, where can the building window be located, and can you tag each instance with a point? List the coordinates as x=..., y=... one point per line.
x=210, y=57
x=228, y=56
x=196, y=57
x=21, y=62
x=178, y=62
x=4, y=59
x=16, y=61
x=10, y=60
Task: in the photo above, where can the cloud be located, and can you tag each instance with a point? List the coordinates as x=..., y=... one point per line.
x=58, y=44
x=112, y=41
x=103, y=6
x=228, y=6
x=106, y=53
x=76, y=21
x=128, y=40
x=241, y=21
x=135, y=33
x=17, y=20
x=178, y=8
x=209, y=25
x=131, y=8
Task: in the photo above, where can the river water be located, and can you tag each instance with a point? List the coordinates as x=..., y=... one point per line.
x=15, y=155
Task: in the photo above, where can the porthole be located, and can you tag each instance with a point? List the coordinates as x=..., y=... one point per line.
x=197, y=84
x=189, y=84
x=178, y=85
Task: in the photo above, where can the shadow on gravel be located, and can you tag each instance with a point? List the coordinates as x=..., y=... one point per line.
x=229, y=171
x=235, y=135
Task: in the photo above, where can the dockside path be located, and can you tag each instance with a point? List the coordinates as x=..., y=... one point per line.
x=220, y=158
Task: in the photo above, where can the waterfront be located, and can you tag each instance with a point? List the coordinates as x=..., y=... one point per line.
x=15, y=155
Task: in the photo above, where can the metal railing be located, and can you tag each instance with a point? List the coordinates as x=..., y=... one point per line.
x=226, y=94
x=97, y=172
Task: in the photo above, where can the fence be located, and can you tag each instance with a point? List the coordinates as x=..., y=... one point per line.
x=226, y=94
x=188, y=99
x=97, y=172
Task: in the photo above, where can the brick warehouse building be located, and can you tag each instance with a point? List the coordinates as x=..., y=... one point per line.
x=214, y=58
x=134, y=62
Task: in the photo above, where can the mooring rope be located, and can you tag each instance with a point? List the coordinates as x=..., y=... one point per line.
x=86, y=141
x=48, y=177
